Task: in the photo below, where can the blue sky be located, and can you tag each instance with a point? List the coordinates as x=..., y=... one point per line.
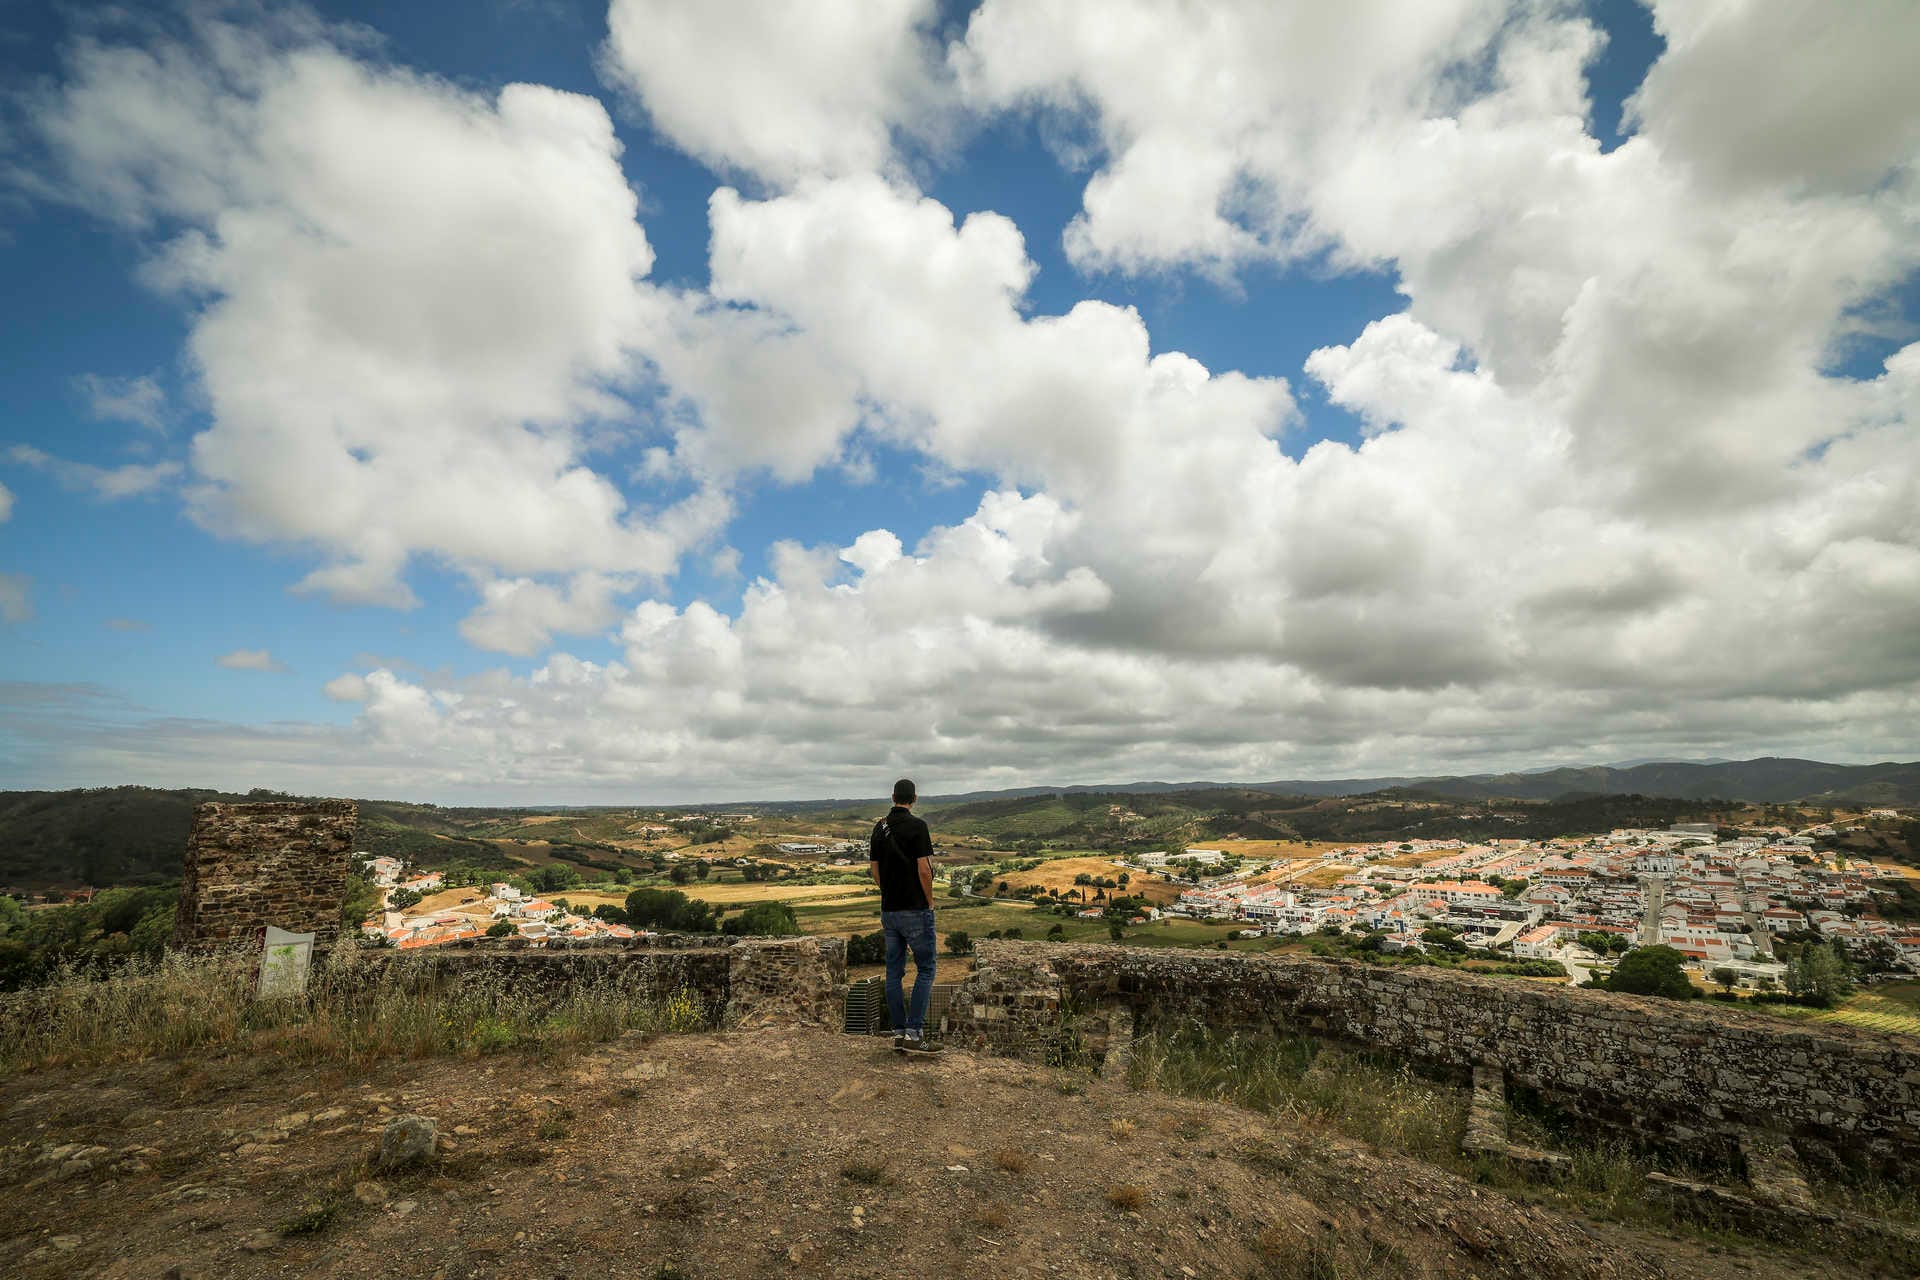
x=1481, y=567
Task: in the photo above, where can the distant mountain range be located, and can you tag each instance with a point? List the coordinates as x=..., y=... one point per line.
x=1769, y=780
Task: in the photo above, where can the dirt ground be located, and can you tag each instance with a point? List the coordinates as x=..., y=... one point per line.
x=770, y=1152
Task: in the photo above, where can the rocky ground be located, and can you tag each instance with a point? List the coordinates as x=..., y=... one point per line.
x=753, y=1153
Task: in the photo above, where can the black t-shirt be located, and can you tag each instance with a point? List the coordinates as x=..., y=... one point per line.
x=900, y=873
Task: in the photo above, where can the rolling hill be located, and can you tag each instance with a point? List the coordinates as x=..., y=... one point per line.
x=136, y=835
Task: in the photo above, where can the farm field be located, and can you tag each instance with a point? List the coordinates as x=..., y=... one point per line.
x=1058, y=873
x=1272, y=848
x=729, y=895
x=1892, y=1007
x=474, y=900
x=1324, y=876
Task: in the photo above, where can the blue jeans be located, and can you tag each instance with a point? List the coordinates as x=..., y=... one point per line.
x=908, y=931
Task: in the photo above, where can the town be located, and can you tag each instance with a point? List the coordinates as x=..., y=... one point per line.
x=1721, y=900
x=455, y=914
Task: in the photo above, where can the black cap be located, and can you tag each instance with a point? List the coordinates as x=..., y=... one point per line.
x=903, y=792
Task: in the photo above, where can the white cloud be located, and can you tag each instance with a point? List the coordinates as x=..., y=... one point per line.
x=1213, y=123
x=346, y=687
x=128, y=624
x=6, y=504
x=129, y=480
x=779, y=88
x=1609, y=500
x=411, y=301
x=251, y=660
x=139, y=401
x=16, y=604
x=1801, y=94
x=520, y=616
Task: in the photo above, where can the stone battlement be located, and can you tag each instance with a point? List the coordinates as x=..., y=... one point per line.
x=1682, y=1073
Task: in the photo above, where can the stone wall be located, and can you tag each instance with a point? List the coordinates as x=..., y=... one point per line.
x=751, y=981
x=1684, y=1073
x=775, y=980
x=281, y=863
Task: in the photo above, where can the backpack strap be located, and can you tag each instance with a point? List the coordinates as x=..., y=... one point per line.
x=885, y=833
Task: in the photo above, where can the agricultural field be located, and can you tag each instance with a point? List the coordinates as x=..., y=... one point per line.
x=726, y=894
x=1058, y=873
x=1323, y=876
x=1264, y=850
x=1892, y=1007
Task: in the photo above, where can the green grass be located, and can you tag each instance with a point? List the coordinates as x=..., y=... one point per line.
x=1892, y=1007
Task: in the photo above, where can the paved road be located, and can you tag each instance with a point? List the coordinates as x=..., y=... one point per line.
x=1650, y=925
x=1577, y=973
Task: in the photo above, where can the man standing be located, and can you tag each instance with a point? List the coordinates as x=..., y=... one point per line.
x=901, y=859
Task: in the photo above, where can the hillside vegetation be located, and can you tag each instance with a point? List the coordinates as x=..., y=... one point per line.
x=137, y=835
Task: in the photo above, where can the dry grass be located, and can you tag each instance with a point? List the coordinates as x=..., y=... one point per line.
x=351, y=1013
x=1012, y=1160
x=1058, y=874
x=1127, y=1197
x=1296, y=1077
x=1120, y=1128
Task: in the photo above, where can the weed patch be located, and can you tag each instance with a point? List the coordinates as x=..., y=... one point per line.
x=410, y=1007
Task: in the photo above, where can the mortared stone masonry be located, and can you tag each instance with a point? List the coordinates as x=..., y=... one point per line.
x=248, y=866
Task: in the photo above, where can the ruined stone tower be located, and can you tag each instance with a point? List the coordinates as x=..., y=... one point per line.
x=281, y=863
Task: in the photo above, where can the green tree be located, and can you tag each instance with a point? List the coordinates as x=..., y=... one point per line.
x=1818, y=973
x=623, y=876
x=765, y=920
x=1725, y=977
x=501, y=928
x=668, y=909
x=401, y=899
x=1057, y=933
x=1652, y=971
x=680, y=873
x=959, y=943
x=702, y=869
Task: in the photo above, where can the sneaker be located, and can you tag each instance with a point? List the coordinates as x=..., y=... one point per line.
x=921, y=1044
x=899, y=1040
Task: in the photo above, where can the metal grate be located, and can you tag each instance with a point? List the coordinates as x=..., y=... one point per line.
x=865, y=1013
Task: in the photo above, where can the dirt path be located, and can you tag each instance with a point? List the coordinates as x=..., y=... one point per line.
x=752, y=1153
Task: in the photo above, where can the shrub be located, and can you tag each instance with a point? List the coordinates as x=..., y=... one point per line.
x=1652, y=971
x=959, y=943
x=1127, y=1197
